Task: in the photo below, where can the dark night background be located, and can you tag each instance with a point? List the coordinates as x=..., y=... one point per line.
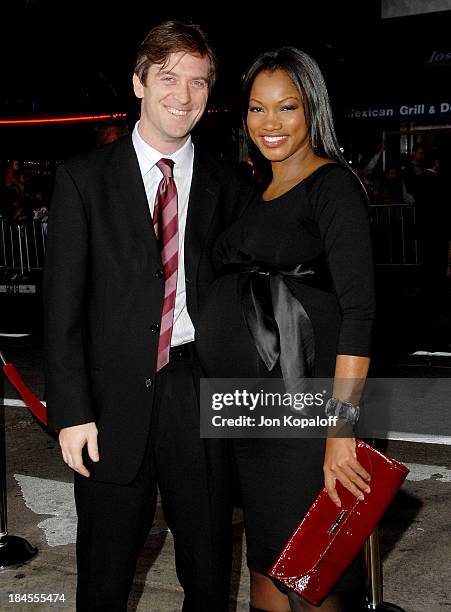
x=70, y=57
x=61, y=58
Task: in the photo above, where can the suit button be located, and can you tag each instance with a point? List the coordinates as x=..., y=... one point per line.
x=155, y=327
x=148, y=382
x=159, y=274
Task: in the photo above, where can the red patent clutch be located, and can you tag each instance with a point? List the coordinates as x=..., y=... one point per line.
x=328, y=538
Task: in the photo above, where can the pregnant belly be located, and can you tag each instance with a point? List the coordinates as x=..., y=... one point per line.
x=224, y=345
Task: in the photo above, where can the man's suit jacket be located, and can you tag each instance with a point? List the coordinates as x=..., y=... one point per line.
x=103, y=293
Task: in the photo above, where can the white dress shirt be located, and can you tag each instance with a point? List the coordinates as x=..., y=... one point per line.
x=183, y=328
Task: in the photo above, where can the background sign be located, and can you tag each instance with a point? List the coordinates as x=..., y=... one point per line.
x=441, y=108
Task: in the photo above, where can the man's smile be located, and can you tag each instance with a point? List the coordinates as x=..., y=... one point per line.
x=176, y=112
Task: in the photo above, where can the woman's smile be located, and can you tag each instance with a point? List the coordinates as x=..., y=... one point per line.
x=273, y=141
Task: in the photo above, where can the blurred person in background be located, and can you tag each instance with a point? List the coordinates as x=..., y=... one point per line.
x=368, y=170
x=109, y=133
x=391, y=186
x=14, y=177
x=433, y=223
x=411, y=173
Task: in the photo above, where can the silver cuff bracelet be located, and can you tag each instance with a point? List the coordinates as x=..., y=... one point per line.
x=344, y=411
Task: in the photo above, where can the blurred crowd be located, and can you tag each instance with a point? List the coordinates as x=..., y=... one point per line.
x=420, y=182
x=417, y=180
x=24, y=196
x=411, y=180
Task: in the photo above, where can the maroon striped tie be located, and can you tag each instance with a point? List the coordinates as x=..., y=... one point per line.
x=165, y=223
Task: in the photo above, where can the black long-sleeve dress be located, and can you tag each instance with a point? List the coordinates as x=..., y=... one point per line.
x=322, y=217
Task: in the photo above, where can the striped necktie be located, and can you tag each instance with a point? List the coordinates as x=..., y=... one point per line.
x=165, y=223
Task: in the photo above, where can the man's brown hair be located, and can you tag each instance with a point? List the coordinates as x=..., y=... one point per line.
x=173, y=37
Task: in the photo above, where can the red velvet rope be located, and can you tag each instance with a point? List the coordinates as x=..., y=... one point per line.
x=30, y=399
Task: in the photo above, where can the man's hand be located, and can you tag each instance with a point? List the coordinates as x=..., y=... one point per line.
x=340, y=463
x=73, y=439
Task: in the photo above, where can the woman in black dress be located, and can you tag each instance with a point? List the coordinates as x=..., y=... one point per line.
x=311, y=214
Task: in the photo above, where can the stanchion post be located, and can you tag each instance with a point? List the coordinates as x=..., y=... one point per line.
x=3, y=499
x=374, y=582
x=374, y=596
x=14, y=551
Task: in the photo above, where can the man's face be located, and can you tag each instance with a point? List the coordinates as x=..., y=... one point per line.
x=418, y=154
x=391, y=174
x=173, y=100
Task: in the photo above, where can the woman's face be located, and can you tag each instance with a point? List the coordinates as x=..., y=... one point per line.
x=275, y=117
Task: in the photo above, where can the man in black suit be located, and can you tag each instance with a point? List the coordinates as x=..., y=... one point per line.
x=433, y=223
x=126, y=427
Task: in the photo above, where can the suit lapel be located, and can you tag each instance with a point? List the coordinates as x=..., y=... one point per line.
x=130, y=188
x=204, y=195
x=203, y=199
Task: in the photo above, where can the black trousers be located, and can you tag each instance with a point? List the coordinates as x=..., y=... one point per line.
x=192, y=476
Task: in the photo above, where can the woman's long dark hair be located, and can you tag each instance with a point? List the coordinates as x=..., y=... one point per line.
x=307, y=77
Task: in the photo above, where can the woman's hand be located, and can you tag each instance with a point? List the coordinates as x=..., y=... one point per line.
x=340, y=463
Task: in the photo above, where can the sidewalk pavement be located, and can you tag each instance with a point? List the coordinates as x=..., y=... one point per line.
x=415, y=542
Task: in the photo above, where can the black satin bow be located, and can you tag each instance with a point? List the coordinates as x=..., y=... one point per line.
x=277, y=321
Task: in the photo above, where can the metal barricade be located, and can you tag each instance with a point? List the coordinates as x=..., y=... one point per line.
x=22, y=246
x=394, y=234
